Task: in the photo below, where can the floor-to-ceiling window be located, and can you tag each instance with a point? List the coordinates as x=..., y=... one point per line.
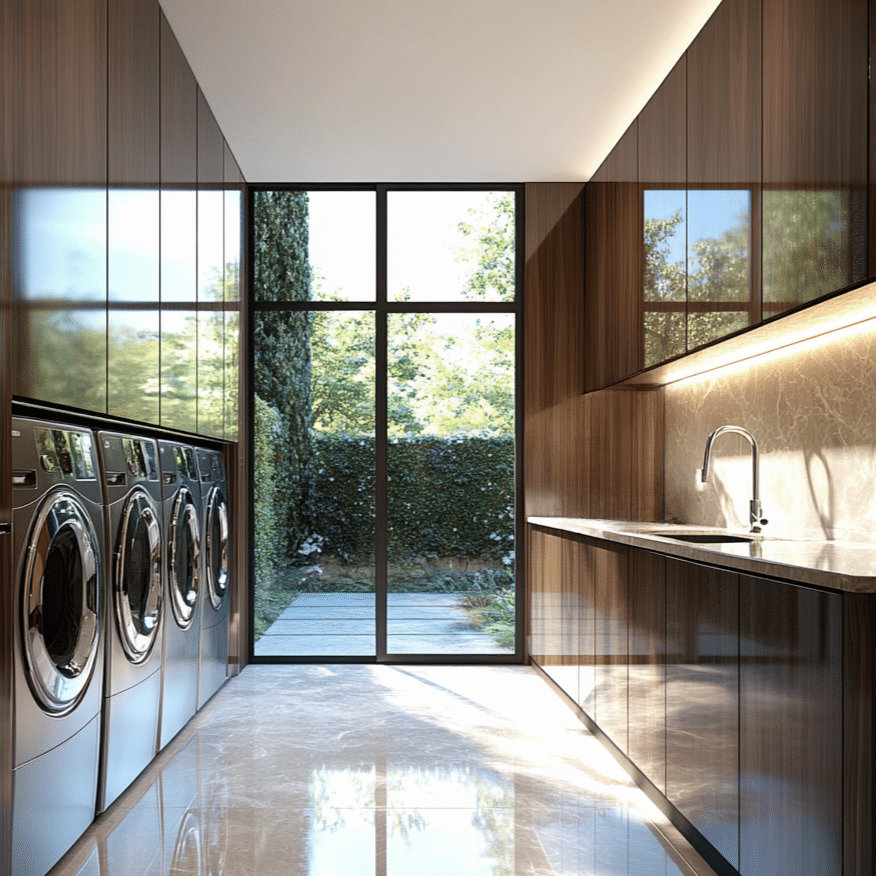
x=386, y=325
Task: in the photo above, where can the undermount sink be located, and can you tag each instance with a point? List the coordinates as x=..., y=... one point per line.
x=707, y=538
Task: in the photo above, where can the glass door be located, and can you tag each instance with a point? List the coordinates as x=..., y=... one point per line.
x=384, y=348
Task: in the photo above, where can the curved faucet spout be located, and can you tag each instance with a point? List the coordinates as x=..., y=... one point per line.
x=755, y=513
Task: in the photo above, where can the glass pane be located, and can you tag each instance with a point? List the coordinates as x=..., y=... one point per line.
x=179, y=370
x=329, y=245
x=211, y=373
x=451, y=484
x=179, y=245
x=341, y=245
x=132, y=364
x=232, y=373
x=465, y=238
x=807, y=246
x=211, y=235
x=233, y=202
x=314, y=484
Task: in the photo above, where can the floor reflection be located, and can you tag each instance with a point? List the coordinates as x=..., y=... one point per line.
x=382, y=771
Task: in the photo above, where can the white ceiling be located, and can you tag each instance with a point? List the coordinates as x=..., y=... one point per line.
x=429, y=90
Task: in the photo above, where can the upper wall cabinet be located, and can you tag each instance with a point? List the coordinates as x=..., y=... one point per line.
x=723, y=173
x=211, y=273
x=233, y=250
x=815, y=61
x=55, y=54
x=613, y=266
x=752, y=186
x=663, y=177
x=134, y=164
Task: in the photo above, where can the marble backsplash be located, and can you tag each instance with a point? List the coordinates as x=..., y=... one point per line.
x=812, y=409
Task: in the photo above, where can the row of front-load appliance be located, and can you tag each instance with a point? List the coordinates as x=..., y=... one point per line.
x=121, y=618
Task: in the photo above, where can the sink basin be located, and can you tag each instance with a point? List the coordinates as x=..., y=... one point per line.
x=708, y=537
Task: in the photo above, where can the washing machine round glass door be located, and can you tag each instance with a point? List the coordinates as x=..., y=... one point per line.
x=217, y=548
x=61, y=603
x=137, y=586
x=184, y=549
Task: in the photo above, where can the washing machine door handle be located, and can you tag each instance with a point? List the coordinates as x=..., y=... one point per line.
x=61, y=603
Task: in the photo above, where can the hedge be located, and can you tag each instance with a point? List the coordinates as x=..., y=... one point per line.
x=447, y=496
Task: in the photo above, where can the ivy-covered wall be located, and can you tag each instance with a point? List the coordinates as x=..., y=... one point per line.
x=282, y=358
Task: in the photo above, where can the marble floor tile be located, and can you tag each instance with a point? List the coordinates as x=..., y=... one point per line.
x=383, y=771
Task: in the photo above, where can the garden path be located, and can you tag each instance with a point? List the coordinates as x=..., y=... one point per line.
x=342, y=625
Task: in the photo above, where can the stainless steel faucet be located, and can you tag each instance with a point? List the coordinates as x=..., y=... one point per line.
x=755, y=512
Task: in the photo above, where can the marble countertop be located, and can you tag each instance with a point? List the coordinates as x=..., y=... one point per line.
x=849, y=566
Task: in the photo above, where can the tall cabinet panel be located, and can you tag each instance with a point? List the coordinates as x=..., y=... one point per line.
x=179, y=236
x=612, y=266
x=723, y=173
x=133, y=253
x=606, y=578
x=702, y=700
x=663, y=179
x=791, y=721
x=233, y=251
x=647, y=672
x=211, y=273
x=58, y=119
x=815, y=80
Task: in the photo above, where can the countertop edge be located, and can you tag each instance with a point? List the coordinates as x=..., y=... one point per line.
x=842, y=566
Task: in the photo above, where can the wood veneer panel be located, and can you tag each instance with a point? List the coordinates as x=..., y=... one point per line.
x=613, y=267
x=570, y=608
x=814, y=148
x=859, y=733
x=608, y=571
x=545, y=575
x=702, y=700
x=133, y=239
x=724, y=98
x=647, y=668
x=134, y=80
x=662, y=234
x=791, y=755
x=57, y=60
x=611, y=443
x=179, y=235
x=556, y=459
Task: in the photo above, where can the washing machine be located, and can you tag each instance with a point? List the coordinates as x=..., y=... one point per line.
x=216, y=559
x=182, y=604
x=132, y=681
x=58, y=620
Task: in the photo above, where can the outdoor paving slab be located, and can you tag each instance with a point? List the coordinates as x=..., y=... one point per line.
x=342, y=624
x=315, y=646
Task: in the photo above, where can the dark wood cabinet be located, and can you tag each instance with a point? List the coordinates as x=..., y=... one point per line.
x=724, y=173
x=606, y=570
x=612, y=266
x=663, y=181
x=56, y=55
x=815, y=81
x=179, y=236
x=752, y=187
x=133, y=239
x=702, y=700
x=647, y=665
x=545, y=577
x=791, y=757
x=211, y=273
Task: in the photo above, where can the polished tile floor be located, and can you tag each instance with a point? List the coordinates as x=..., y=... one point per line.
x=383, y=771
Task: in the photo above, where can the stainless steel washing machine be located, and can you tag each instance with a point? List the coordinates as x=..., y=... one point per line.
x=58, y=621
x=132, y=688
x=182, y=603
x=216, y=564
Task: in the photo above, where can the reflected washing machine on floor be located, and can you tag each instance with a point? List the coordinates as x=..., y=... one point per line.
x=182, y=601
x=132, y=687
x=216, y=598
x=58, y=639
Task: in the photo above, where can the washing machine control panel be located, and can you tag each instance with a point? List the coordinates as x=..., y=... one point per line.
x=61, y=454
